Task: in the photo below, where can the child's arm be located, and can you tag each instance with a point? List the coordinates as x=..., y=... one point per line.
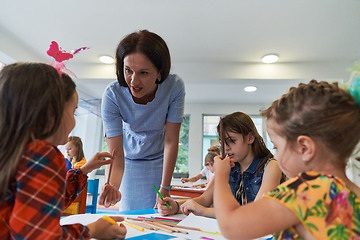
x=174, y=205
x=110, y=194
x=103, y=229
x=191, y=206
x=253, y=220
x=98, y=160
x=39, y=197
x=205, y=201
x=201, y=205
x=271, y=179
x=192, y=179
x=76, y=178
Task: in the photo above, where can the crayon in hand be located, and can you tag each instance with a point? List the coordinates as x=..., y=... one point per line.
x=162, y=198
x=110, y=220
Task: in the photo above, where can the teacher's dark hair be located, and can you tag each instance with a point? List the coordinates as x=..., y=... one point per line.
x=148, y=43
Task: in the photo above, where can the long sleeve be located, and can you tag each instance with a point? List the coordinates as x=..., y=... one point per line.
x=75, y=183
x=39, y=196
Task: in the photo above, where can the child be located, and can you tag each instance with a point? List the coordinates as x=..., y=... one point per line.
x=75, y=151
x=207, y=171
x=32, y=169
x=314, y=128
x=214, y=149
x=254, y=174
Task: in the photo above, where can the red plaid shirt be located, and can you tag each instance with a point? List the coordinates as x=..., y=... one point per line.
x=38, y=194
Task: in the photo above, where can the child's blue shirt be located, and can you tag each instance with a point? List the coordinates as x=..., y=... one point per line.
x=251, y=180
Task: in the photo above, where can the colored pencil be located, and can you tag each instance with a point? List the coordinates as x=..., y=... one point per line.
x=172, y=228
x=133, y=226
x=215, y=233
x=143, y=224
x=160, y=220
x=162, y=198
x=159, y=227
x=206, y=238
x=172, y=224
x=110, y=220
x=167, y=219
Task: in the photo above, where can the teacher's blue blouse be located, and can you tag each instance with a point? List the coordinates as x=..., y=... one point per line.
x=142, y=126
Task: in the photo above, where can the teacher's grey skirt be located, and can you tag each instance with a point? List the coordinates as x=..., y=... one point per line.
x=136, y=187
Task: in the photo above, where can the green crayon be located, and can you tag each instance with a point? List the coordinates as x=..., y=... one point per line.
x=162, y=198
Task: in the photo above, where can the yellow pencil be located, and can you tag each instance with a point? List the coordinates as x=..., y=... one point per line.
x=215, y=233
x=133, y=226
x=110, y=220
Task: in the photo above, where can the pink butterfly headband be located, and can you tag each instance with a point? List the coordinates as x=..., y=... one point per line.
x=60, y=55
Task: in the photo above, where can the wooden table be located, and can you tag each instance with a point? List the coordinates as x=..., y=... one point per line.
x=186, y=191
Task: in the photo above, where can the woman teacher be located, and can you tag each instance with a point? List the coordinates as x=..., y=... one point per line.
x=142, y=113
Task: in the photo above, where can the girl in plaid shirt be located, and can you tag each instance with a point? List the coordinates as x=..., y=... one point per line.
x=35, y=188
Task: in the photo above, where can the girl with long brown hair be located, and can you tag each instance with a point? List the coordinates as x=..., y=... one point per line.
x=35, y=187
x=254, y=171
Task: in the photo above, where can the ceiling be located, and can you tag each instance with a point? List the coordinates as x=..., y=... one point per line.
x=216, y=46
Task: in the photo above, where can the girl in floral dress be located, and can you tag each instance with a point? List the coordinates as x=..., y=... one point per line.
x=315, y=128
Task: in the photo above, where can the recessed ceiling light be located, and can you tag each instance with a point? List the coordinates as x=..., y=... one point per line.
x=250, y=89
x=106, y=59
x=270, y=58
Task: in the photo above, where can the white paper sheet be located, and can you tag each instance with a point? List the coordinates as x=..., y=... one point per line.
x=204, y=223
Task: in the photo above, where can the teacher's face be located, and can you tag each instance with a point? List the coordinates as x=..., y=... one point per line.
x=140, y=75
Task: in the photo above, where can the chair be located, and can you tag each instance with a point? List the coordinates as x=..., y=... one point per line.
x=79, y=204
x=93, y=186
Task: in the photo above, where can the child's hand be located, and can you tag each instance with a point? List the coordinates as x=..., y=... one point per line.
x=184, y=180
x=222, y=166
x=190, y=206
x=102, y=229
x=165, y=193
x=163, y=209
x=96, y=161
x=109, y=195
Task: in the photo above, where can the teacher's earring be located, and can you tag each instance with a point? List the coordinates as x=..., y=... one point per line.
x=305, y=162
x=157, y=81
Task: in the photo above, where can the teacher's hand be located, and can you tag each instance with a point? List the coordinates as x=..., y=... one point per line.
x=109, y=196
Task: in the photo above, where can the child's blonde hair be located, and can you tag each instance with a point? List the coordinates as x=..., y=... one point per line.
x=322, y=111
x=209, y=158
x=78, y=144
x=214, y=149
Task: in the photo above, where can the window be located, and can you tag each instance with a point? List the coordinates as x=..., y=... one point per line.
x=210, y=137
x=183, y=153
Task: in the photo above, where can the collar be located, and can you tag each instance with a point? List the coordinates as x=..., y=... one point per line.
x=251, y=169
x=253, y=166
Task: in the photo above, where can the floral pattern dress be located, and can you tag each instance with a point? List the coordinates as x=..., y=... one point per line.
x=324, y=204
